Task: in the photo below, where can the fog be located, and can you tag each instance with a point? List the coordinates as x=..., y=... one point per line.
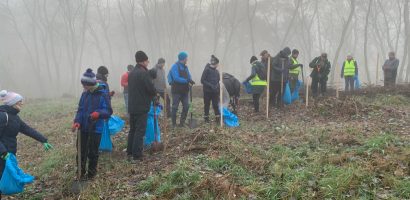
x=45, y=45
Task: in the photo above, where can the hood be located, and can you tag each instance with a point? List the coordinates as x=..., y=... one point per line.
x=285, y=52
x=9, y=109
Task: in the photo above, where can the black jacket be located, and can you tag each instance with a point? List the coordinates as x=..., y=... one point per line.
x=321, y=68
x=232, y=85
x=210, y=79
x=276, y=71
x=11, y=127
x=141, y=90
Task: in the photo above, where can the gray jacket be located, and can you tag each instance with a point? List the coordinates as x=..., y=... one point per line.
x=160, y=82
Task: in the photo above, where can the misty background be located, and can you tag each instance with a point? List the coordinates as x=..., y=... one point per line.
x=46, y=45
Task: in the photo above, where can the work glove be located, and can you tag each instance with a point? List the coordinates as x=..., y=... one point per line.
x=94, y=115
x=301, y=65
x=5, y=156
x=75, y=127
x=191, y=82
x=47, y=146
x=112, y=93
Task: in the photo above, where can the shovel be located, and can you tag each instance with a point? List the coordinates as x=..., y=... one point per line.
x=78, y=185
x=156, y=146
x=193, y=123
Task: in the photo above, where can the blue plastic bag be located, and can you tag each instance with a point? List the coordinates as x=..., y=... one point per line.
x=150, y=131
x=115, y=124
x=230, y=119
x=295, y=93
x=356, y=82
x=105, y=142
x=247, y=87
x=13, y=179
x=287, y=96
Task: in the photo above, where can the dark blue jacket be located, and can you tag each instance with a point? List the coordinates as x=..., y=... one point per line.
x=210, y=79
x=11, y=127
x=96, y=101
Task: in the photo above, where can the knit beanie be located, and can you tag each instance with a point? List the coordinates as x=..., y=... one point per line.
x=253, y=59
x=182, y=55
x=10, y=98
x=140, y=56
x=89, y=78
x=214, y=60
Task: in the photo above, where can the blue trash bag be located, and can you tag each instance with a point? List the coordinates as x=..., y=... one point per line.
x=115, y=124
x=287, y=96
x=105, y=142
x=150, y=131
x=295, y=93
x=230, y=119
x=356, y=82
x=247, y=87
x=13, y=179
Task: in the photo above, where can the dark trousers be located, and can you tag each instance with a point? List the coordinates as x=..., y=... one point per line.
x=349, y=83
x=256, y=101
x=176, y=98
x=168, y=103
x=293, y=80
x=208, y=97
x=390, y=78
x=234, y=102
x=90, y=142
x=138, y=125
x=315, y=86
x=276, y=93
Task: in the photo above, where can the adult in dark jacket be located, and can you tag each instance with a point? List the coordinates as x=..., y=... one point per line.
x=320, y=72
x=390, y=70
x=279, y=74
x=180, y=80
x=349, y=72
x=257, y=81
x=233, y=86
x=210, y=81
x=94, y=108
x=11, y=125
x=102, y=78
x=141, y=93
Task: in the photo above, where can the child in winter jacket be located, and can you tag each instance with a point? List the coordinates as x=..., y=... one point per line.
x=93, y=109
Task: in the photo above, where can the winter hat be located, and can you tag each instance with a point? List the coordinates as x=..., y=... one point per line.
x=161, y=61
x=88, y=78
x=10, y=98
x=182, y=55
x=214, y=60
x=130, y=67
x=102, y=70
x=140, y=56
x=253, y=59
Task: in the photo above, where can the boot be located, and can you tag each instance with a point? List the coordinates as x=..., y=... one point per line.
x=217, y=119
x=206, y=118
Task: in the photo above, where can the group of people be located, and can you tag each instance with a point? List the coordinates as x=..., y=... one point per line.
x=144, y=87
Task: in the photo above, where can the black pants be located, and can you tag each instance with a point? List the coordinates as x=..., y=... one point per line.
x=168, y=103
x=208, y=97
x=276, y=93
x=138, y=125
x=349, y=83
x=315, y=86
x=176, y=98
x=256, y=101
x=234, y=102
x=90, y=142
x=293, y=81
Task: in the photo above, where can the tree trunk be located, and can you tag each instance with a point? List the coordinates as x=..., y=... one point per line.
x=366, y=64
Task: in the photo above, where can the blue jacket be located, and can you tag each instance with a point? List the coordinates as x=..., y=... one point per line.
x=176, y=77
x=97, y=101
x=9, y=128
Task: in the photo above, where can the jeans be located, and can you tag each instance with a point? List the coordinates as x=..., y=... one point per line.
x=208, y=98
x=349, y=83
x=176, y=98
x=90, y=142
x=138, y=125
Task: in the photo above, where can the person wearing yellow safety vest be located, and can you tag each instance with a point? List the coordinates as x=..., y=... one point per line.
x=257, y=79
x=349, y=72
x=295, y=69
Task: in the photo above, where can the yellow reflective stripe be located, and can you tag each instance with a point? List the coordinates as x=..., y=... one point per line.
x=349, y=68
x=257, y=81
x=295, y=70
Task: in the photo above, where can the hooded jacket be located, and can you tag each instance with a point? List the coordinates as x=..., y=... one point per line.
x=10, y=126
x=210, y=79
x=276, y=71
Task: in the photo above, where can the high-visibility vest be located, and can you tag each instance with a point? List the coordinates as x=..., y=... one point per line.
x=349, y=68
x=257, y=81
x=296, y=70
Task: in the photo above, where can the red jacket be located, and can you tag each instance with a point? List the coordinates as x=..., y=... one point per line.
x=124, y=81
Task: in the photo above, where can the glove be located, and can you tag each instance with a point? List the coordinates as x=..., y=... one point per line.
x=301, y=65
x=112, y=93
x=75, y=127
x=47, y=146
x=94, y=115
x=191, y=82
x=5, y=156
